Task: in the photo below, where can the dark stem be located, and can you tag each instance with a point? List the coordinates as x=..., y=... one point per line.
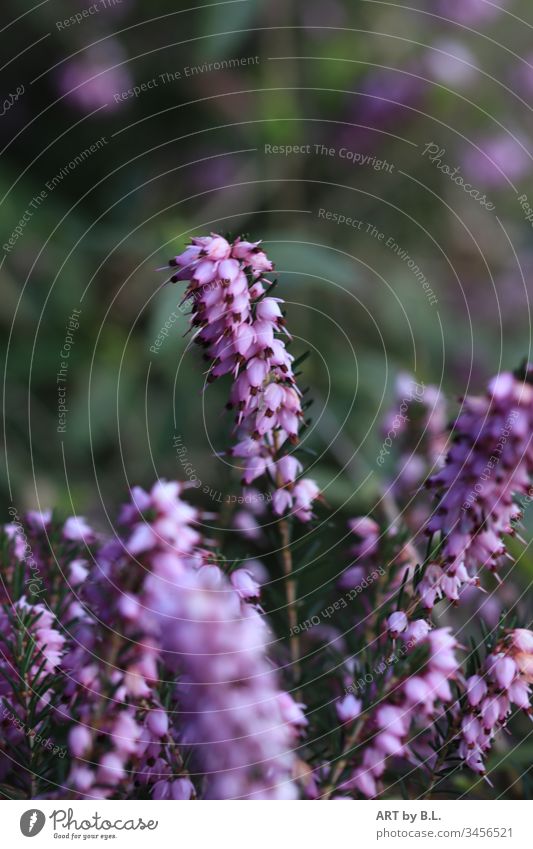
x=291, y=596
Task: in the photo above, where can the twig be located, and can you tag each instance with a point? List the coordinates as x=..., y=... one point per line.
x=291, y=596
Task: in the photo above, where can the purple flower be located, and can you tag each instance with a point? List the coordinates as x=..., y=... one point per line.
x=451, y=63
x=397, y=623
x=246, y=586
x=77, y=529
x=470, y=12
x=91, y=79
x=241, y=329
x=497, y=159
x=348, y=708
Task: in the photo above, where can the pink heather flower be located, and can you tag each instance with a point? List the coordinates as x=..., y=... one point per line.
x=245, y=522
x=291, y=711
x=181, y=789
x=111, y=770
x=241, y=727
x=49, y=643
x=397, y=623
x=502, y=670
x=522, y=640
x=348, y=708
x=160, y=542
x=245, y=585
x=125, y=733
x=77, y=529
x=39, y=520
x=416, y=631
x=414, y=432
x=366, y=531
x=364, y=781
x=240, y=327
x=490, y=461
x=304, y=494
x=476, y=688
x=497, y=159
x=80, y=740
x=15, y=535
x=258, y=570
x=157, y=722
x=451, y=63
x=78, y=571
x=351, y=578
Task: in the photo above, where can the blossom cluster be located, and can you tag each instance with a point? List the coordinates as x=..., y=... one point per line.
x=242, y=727
x=159, y=654
x=240, y=326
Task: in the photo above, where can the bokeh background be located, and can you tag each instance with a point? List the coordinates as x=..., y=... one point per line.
x=126, y=128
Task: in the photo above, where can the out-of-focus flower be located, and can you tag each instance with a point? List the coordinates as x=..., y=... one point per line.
x=77, y=529
x=497, y=159
x=451, y=63
x=92, y=78
x=348, y=708
x=397, y=623
x=241, y=727
x=470, y=12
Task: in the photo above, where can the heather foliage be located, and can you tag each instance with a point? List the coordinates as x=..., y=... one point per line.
x=167, y=661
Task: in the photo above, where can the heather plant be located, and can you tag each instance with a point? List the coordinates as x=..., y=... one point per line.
x=162, y=661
